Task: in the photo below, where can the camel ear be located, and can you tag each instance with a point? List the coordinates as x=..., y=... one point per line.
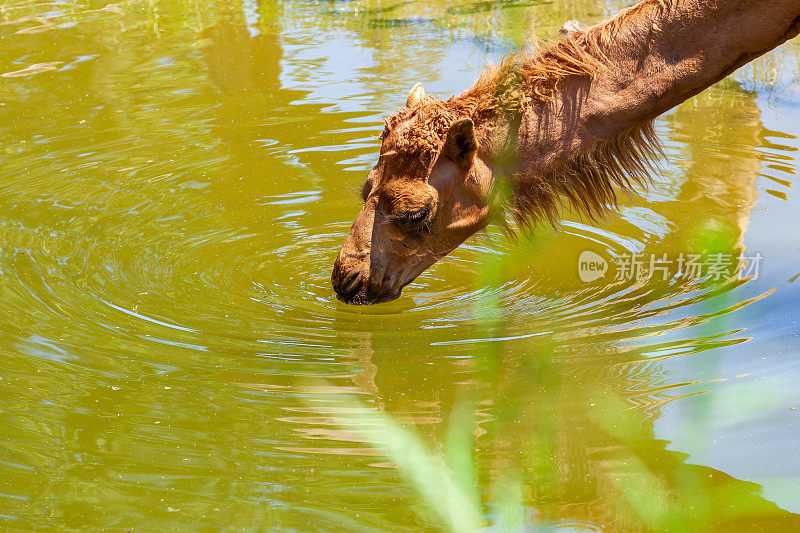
x=416, y=96
x=460, y=144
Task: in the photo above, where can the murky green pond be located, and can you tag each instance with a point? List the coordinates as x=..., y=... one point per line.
x=175, y=180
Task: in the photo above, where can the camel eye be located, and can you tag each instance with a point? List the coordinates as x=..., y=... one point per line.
x=414, y=220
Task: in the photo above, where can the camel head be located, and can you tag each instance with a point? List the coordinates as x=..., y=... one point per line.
x=428, y=192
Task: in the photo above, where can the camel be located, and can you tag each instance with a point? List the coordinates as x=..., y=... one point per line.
x=566, y=126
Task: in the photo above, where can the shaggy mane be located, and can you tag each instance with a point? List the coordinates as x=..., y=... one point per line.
x=587, y=180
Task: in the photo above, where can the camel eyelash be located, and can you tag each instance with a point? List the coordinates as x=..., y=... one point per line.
x=419, y=219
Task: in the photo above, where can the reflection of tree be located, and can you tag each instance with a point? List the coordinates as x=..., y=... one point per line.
x=79, y=88
x=272, y=136
x=718, y=132
x=405, y=36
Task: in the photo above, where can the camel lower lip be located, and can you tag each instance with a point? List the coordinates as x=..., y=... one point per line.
x=364, y=299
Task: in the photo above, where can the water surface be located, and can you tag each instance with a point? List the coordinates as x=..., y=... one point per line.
x=175, y=180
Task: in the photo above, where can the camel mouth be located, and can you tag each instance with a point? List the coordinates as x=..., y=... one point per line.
x=365, y=297
x=353, y=287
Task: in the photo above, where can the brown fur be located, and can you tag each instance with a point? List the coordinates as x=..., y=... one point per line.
x=586, y=180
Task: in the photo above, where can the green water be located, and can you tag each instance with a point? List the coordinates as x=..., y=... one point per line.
x=175, y=180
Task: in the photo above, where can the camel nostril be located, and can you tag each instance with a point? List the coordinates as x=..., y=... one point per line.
x=351, y=281
x=349, y=284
